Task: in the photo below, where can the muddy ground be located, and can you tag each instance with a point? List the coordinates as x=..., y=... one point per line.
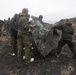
x=51, y=65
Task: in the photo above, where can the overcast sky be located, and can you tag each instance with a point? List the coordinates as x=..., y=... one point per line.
x=52, y=10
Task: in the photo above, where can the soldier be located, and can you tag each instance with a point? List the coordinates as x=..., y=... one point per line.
x=23, y=37
x=13, y=34
x=8, y=25
x=1, y=24
x=67, y=32
x=40, y=18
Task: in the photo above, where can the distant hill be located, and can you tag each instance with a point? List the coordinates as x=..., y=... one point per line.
x=72, y=20
x=47, y=25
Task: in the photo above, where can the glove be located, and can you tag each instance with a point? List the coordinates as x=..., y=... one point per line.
x=55, y=32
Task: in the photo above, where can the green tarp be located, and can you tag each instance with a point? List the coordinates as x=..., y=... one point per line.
x=44, y=39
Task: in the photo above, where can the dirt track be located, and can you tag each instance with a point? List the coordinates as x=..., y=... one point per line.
x=51, y=65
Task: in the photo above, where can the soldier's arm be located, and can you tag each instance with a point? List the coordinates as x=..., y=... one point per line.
x=58, y=27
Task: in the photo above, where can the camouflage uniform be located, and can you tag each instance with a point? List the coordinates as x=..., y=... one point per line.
x=67, y=32
x=13, y=34
x=23, y=38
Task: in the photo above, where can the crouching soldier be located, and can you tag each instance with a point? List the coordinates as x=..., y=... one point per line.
x=23, y=39
x=67, y=32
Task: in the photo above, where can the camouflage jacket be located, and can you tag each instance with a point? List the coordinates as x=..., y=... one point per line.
x=23, y=26
x=67, y=30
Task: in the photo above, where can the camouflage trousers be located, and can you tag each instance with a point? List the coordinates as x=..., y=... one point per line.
x=23, y=41
x=14, y=45
x=71, y=45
